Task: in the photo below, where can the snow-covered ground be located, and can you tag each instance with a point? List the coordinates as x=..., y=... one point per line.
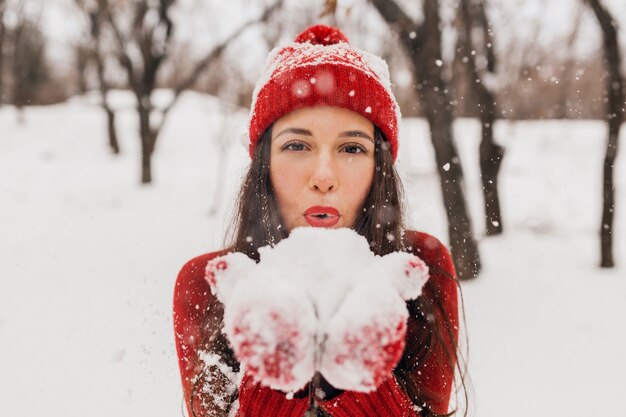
x=88, y=259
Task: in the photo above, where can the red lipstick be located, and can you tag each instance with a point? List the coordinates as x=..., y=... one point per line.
x=318, y=216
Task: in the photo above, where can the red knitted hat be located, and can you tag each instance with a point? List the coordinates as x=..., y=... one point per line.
x=321, y=67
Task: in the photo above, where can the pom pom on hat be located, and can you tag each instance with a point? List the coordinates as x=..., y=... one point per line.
x=321, y=68
x=321, y=35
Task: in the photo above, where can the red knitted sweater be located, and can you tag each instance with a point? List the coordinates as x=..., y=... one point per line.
x=195, y=307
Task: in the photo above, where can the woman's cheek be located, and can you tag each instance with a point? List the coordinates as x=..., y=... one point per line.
x=287, y=183
x=360, y=181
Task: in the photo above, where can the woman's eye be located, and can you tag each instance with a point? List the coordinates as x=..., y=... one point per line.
x=294, y=146
x=354, y=148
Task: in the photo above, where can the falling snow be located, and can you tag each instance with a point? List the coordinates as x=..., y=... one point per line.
x=108, y=251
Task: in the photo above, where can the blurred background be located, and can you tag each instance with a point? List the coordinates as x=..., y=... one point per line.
x=122, y=148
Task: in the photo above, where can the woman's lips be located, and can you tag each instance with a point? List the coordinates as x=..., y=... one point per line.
x=318, y=216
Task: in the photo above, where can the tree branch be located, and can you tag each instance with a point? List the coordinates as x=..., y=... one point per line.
x=123, y=56
x=187, y=82
x=411, y=33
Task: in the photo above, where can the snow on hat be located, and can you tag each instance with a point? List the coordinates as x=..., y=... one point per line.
x=321, y=67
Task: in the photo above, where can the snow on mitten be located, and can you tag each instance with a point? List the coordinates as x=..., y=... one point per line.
x=224, y=272
x=271, y=327
x=407, y=272
x=268, y=320
x=365, y=338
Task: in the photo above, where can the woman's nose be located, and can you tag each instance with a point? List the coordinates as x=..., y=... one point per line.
x=324, y=176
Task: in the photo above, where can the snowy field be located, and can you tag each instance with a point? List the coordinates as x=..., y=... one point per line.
x=88, y=259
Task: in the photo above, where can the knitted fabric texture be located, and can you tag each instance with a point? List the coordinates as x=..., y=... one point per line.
x=322, y=68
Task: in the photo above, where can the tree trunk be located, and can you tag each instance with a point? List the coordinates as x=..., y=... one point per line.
x=615, y=116
x=428, y=63
x=104, y=92
x=96, y=20
x=2, y=38
x=82, y=60
x=490, y=153
x=147, y=149
x=422, y=44
x=148, y=138
x=113, y=143
x=608, y=206
x=462, y=243
x=490, y=161
x=146, y=166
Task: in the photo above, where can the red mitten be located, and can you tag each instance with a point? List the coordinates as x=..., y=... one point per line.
x=365, y=338
x=256, y=400
x=268, y=321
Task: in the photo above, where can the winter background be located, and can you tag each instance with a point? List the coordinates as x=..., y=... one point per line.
x=88, y=257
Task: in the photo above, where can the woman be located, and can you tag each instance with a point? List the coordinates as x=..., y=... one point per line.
x=323, y=140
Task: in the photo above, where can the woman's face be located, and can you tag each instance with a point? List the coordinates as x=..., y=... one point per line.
x=321, y=166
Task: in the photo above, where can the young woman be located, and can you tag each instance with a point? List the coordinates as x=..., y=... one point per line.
x=323, y=141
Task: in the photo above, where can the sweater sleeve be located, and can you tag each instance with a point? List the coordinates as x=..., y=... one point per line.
x=195, y=308
x=434, y=376
x=256, y=400
x=208, y=381
x=389, y=400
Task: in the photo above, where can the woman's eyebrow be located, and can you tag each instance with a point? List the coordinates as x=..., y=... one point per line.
x=355, y=133
x=296, y=130
x=306, y=132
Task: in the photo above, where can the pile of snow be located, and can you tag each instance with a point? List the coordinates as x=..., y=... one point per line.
x=319, y=300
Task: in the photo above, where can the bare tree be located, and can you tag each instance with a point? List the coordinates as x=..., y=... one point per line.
x=91, y=53
x=422, y=43
x=615, y=115
x=149, y=38
x=2, y=38
x=473, y=18
x=82, y=55
x=142, y=49
x=29, y=70
x=96, y=19
x=533, y=62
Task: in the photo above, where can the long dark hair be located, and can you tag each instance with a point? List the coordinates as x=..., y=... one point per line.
x=257, y=222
